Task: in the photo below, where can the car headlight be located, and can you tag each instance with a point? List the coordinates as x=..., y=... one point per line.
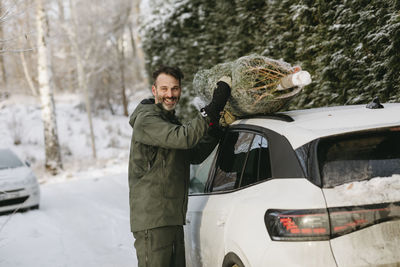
x=31, y=179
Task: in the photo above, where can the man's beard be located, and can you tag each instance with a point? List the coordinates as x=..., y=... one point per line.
x=165, y=100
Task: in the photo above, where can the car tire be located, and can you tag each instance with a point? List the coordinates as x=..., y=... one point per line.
x=231, y=260
x=36, y=207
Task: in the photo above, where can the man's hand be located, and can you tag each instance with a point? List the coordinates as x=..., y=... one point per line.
x=220, y=97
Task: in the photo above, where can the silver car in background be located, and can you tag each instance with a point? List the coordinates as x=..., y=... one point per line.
x=19, y=189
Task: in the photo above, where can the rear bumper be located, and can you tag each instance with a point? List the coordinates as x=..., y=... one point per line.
x=315, y=253
x=377, y=245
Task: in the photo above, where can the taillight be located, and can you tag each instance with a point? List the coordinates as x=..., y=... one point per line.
x=298, y=225
x=345, y=220
x=325, y=224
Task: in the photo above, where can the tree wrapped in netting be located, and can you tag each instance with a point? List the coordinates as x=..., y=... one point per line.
x=260, y=85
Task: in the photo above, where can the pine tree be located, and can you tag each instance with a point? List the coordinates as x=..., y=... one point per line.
x=349, y=47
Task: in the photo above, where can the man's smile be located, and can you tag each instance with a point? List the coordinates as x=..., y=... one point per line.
x=170, y=101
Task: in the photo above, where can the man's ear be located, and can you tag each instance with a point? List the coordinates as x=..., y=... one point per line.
x=154, y=90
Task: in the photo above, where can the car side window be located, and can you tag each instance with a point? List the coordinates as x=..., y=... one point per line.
x=231, y=160
x=199, y=174
x=258, y=165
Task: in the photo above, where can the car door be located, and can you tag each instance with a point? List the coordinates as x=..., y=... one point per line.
x=209, y=211
x=198, y=178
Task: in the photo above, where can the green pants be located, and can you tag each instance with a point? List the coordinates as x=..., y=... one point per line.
x=160, y=247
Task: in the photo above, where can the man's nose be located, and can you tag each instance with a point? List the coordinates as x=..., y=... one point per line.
x=169, y=93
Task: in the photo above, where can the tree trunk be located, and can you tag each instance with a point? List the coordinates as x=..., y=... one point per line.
x=82, y=82
x=137, y=41
x=27, y=74
x=2, y=65
x=53, y=161
x=137, y=67
x=61, y=11
x=121, y=55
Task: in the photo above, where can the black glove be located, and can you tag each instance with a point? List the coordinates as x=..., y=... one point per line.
x=216, y=131
x=220, y=97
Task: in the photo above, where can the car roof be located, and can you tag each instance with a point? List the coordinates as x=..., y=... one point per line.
x=303, y=126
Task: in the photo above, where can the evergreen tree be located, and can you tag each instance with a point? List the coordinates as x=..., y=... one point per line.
x=351, y=48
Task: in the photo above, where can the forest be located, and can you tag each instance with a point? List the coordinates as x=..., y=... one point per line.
x=52, y=48
x=351, y=48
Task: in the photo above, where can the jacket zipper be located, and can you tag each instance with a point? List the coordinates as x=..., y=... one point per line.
x=185, y=198
x=163, y=167
x=146, y=239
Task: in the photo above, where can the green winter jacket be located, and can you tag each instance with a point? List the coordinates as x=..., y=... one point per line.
x=162, y=150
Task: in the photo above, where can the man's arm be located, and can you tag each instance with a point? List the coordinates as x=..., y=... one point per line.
x=151, y=129
x=202, y=150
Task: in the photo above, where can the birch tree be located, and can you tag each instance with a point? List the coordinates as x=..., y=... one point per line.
x=121, y=58
x=80, y=68
x=2, y=65
x=25, y=41
x=53, y=161
x=136, y=42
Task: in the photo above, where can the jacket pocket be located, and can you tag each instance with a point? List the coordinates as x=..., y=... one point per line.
x=169, y=186
x=142, y=160
x=151, y=153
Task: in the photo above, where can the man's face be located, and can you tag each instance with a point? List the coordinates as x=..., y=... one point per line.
x=167, y=91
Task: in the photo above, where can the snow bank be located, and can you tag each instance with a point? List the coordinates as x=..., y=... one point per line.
x=376, y=190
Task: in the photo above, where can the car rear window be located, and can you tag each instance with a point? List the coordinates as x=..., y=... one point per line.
x=358, y=157
x=9, y=160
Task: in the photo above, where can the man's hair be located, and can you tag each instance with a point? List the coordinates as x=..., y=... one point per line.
x=173, y=71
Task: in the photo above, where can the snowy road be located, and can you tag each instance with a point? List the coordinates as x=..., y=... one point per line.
x=80, y=223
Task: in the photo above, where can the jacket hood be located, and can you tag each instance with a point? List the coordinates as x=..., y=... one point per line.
x=144, y=105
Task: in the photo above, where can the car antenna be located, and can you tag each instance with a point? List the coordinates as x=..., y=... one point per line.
x=374, y=104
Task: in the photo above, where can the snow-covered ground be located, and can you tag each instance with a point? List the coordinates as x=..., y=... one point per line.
x=81, y=222
x=83, y=218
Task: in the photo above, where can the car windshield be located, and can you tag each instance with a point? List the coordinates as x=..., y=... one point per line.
x=357, y=157
x=9, y=160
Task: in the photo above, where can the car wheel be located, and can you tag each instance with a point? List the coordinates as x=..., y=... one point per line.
x=231, y=260
x=36, y=207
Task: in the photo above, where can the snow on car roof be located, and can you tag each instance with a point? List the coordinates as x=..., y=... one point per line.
x=310, y=124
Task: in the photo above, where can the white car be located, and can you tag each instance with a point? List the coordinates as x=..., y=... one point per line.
x=317, y=187
x=19, y=189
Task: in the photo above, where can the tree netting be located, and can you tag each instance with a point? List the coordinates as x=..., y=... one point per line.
x=256, y=84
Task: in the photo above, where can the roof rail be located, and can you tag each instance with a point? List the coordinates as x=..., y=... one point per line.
x=271, y=116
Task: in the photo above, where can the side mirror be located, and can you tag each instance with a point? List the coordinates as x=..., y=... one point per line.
x=27, y=163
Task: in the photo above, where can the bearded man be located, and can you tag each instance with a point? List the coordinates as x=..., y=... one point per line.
x=161, y=152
